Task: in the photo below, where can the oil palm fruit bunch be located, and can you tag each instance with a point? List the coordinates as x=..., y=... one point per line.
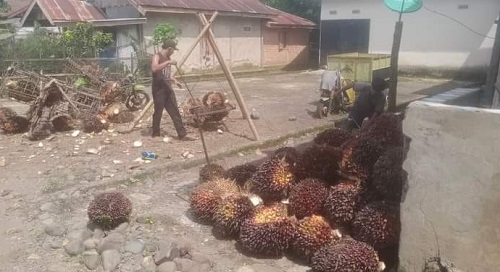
x=321, y=162
x=378, y=225
x=206, y=197
x=290, y=154
x=333, y=137
x=95, y=123
x=386, y=128
x=358, y=157
x=232, y=211
x=308, y=197
x=268, y=231
x=311, y=234
x=211, y=171
x=109, y=209
x=346, y=255
x=241, y=173
x=10, y=122
x=343, y=200
x=388, y=175
x=273, y=180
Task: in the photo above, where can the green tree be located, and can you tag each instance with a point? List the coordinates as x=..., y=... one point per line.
x=164, y=31
x=309, y=9
x=83, y=41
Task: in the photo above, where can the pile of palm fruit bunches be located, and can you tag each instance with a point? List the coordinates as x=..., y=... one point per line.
x=334, y=205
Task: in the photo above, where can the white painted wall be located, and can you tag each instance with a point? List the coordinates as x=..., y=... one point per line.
x=429, y=39
x=239, y=48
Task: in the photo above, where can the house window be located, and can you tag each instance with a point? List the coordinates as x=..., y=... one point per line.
x=356, y=11
x=463, y=6
x=333, y=12
x=282, y=40
x=247, y=29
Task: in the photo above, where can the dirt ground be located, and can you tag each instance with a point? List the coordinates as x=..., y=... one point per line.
x=52, y=181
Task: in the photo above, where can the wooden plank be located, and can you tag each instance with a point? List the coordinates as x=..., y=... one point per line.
x=230, y=77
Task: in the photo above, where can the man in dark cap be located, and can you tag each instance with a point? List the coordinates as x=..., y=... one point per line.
x=163, y=93
x=369, y=103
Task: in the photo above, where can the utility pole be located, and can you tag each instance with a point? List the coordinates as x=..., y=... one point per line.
x=489, y=89
x=396, y=46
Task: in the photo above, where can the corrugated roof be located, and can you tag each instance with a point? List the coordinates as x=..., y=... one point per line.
x=70, y=10
x=17, y=8
x=234, y=6
x=285, y=19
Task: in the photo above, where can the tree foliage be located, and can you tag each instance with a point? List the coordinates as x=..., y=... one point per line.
x=164, y=31
x=83, y=41
x=309, y=9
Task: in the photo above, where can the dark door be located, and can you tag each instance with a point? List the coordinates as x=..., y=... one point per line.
x=344, y=36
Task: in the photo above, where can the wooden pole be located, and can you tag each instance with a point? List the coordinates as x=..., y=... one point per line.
x=398, y=32
x=179, y=64
x=489, y=90
x=230, y=77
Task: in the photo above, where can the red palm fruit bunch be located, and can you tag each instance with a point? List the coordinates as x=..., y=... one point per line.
x=241, y=173
x=10, y=122
x=346, y=255
x=231, y=212
x=211, y=171
x=386, y=128
x=268, y=231
x=110, y=209
x=321, y=162
x=289, y=154
x=272, y=180
x=308, y=197
x=333, y=137
x=205, y=198
x=388, y=175
x=311, y=234
x=342, y=202
x=358, y=157
x=378, y=225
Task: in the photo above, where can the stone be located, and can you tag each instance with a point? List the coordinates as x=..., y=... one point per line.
x=151, y=247
x=2, y=161
x=167, y=251
x=34, y=257
x=48, y=207
x=90, y=243
x=122, y=228
x=98, y=234
x=293, y=118
x=167, y=267
x=44, y=216
x=56, y=245
x=245, y=268
x=201, y=268
x=255, y=116
x=74, y=247
x=5, y=192
x=91, y=259
x=110, y=259
x=114, y=241
x=184, y=246
x=200, y=258
x=148, y=264
x=80, y=234
x=134, y=246
x=55, y=229
x=140, y=197
x=184, y=264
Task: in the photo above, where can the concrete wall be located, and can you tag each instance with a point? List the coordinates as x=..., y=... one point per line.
x=296, y=52
x=239, y=40
x=451, y=207
x=429, y=39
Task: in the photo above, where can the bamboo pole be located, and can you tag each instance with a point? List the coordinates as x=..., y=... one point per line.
x=229, y=76
x=180, y=63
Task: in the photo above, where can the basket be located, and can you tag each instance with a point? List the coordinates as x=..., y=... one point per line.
x=22, y=85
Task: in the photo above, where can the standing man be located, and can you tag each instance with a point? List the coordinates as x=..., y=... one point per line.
x=331, y=84
x=163, y=93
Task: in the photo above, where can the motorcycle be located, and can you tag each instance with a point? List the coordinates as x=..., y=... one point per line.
x=326, y=101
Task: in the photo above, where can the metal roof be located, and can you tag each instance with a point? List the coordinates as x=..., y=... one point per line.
x=232, y=6
x=17, y=8
x=288, y=20
x=69, y=10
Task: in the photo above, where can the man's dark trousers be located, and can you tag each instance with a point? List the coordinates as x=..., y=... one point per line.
x=164, y=98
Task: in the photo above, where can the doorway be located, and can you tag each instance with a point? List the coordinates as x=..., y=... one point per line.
x=344, y=36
